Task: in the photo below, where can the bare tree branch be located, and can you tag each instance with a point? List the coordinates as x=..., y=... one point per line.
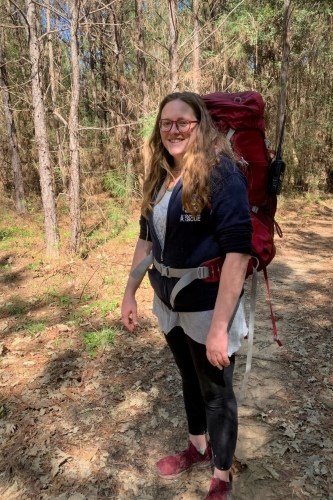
x=52, y=9
x=13, y=26
x=119, y=125
x=211, y=59
x=60, y=117
x=20, y=11
x=151, y=55
x=210, y=34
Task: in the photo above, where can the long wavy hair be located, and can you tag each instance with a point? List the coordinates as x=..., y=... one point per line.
x=198, y=162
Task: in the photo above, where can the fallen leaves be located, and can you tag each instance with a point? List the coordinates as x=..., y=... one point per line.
x=76, y=428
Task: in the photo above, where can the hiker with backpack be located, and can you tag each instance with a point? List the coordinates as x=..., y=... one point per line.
x=196, y=230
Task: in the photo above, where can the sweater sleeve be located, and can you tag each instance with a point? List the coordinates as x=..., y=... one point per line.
x=144, y=233
x=230, y=209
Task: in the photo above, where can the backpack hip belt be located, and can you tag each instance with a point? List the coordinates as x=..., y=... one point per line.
x=208, y=271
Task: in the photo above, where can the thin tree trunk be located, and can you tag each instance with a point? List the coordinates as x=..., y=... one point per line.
x=225, y=70
x=73, y=129
x=141, y=59
x=122, y=103
x=105, y=83
x=142, y=73
x=52, y=74
x=12, y=136
x=196, y=48
x=173, y=49
x=284, y=70
x=45, y=172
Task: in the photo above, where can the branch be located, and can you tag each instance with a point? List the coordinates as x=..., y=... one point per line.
x=187, y=40
x=210, y=34
x=151, y=55
x=20, y=11
x=60, y=117
x=110, y=128
x=101, y=8
x=87, y=282
x=11, y=26
x=160, y=43
x=58, y=30
x=93, y=35
x=211, y=59
x=92, y=24
x=52, y=9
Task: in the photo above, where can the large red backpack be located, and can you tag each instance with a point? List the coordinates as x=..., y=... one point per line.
x=241, y=117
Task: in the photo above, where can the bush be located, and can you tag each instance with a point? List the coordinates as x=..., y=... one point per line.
x=115, y=183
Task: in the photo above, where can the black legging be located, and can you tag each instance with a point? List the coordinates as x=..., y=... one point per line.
x=210, y=402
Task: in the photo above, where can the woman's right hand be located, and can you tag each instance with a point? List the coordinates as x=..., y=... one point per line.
x=129, y=312
x=129, y=309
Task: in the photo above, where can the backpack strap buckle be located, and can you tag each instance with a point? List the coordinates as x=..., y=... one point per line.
x=165, y=270
x=214, y=269
x=202, y=272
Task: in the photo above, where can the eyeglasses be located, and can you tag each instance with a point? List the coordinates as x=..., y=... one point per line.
x=182, y=125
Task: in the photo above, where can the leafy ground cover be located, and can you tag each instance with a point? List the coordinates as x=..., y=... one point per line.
x=87, y=408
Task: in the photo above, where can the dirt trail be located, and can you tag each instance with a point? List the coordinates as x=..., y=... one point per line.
x=74, y=427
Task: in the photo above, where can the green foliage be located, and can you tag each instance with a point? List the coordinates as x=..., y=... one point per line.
x=312, y=197
x=105, y=307
x=116, y=220
x=4, y=410
x=35, y=266
x=34, y=327
x=115, y=183
x=6, y=266
x=117, y=217
x=14, y=232
x=108, y=280
x=147, y=126
x=129, y=233
x=100, y=308
x=63, y=299
x=5, y=233
x=240, y=46
x=16, y=307
x=96, y=341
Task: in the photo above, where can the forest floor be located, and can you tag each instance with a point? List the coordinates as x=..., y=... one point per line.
x=87, y=408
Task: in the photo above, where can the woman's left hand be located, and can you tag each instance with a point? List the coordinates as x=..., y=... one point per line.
x=230, y=288
x=217, y=348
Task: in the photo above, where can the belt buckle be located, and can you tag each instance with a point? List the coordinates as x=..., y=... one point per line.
x=201, y=272
x=165, y=271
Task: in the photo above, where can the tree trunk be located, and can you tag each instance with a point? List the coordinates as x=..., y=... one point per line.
x=142, y=72
x=52, y=74
x=284, y=71
x=173, y=49
x=121, y=102
x=141, y=59
x=45, y=172
x=73, y=129
x=105, y=84
x=225, y=76
x=196, y=48
x=12, y=136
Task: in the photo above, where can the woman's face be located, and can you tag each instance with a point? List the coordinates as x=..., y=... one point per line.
x=175, y=141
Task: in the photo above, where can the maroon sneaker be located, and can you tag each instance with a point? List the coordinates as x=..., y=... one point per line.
x=219, y=490
x=172, y=466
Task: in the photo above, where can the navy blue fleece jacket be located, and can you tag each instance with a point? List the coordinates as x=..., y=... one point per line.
x=222, y=227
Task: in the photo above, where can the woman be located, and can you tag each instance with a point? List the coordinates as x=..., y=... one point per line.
x=195, y=210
